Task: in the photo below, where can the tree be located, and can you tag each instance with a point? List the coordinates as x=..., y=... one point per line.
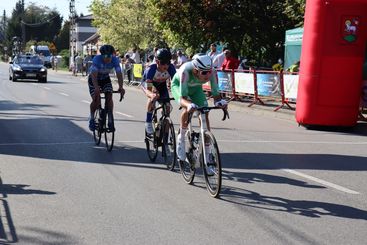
x=124, y=23
x=252, y=28
x=63, y=37
x=39, y=22
x=255, y=29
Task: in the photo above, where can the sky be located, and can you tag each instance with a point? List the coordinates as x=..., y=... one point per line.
x=62, y=6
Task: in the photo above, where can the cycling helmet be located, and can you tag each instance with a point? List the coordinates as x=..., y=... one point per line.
x=202, y=62
x=164, y=55
x=107, y=50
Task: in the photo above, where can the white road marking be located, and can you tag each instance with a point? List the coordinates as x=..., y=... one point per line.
x=85, y=101
x=123, y=114
x=45, y=144
x=65, y=143
x=64, y=94
x=320, y=181
x=296, y=142
x=47, y=88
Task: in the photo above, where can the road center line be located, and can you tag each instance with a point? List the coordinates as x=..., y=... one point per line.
x=323, y=182
x=85, y=101
x=47, y=88
x=64, y=94
x=123, y=114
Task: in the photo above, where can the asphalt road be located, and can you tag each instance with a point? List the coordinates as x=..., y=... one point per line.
x=282, y=184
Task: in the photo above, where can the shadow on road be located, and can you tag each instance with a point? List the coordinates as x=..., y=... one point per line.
x=312, y=209
x=293, y=161
x=8, y=232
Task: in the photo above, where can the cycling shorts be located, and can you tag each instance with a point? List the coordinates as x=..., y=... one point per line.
x=105, y=85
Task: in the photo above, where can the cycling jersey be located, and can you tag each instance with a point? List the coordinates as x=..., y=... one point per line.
x=158, y=79
x=104, y=69
x=185, y=84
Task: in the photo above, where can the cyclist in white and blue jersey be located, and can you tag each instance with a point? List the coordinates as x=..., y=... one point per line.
x=155, y=81
x=99, y=81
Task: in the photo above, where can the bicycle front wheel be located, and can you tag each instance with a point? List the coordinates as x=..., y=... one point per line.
x=187, y=167
x=151, y=145
x=169, y=144
x=109, y=133
x=212, y=168
x=97, y=132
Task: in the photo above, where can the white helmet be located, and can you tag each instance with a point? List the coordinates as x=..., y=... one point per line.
x=202, y=62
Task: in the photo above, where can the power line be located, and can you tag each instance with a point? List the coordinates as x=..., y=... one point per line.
x=38, y=24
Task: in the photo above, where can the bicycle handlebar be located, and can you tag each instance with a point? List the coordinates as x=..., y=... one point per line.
x=118, y=92
x=203, y=109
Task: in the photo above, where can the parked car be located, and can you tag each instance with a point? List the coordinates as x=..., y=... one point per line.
x=27, y=67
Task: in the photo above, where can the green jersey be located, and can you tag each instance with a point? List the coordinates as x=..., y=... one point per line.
x=185, y=84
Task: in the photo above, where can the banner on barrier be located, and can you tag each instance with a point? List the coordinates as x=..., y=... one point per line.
x=290, y=86
x=138, y=70
x=244, y=82
x=224, y=81
x=268, y=84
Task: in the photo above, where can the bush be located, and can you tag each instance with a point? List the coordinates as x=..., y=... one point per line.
x=65, y=57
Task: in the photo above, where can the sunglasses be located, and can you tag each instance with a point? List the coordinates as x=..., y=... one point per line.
x=205, y=72
x=107, y=56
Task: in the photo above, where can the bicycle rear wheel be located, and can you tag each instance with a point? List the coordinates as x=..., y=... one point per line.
x=169, y=144
x=97, y=132
x=109, y=133
x=213, y=179
x=151, y=144
x=187, y=167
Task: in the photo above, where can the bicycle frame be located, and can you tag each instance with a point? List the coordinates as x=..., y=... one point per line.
x=161, y=134
x=101, y=116
x=203, y=128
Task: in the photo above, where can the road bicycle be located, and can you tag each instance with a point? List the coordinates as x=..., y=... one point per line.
x=197, y=155
x=102, y=120
x=163, y=135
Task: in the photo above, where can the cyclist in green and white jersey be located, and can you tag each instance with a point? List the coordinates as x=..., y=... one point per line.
x=188, y=92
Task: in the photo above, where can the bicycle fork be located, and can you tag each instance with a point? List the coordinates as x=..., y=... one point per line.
x=203, y=129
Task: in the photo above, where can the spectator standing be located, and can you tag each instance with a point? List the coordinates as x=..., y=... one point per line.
x=278, y=66
x=129, y=67
x=136, y=56
x=219, y=59
x=294, y=67
x=155, y=53
x=213, y=51
x=242, y=66
x=181, y=59
x=52, y=57
x=78, y=64
x=230, y=61
x=55, y=62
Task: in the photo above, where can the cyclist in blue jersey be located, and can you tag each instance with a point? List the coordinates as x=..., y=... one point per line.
x=99, y=81
x=155, y=83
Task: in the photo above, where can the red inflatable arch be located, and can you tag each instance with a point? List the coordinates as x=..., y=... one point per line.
x=333, y=52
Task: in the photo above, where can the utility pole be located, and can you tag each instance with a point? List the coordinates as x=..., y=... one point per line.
x=72, y=16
